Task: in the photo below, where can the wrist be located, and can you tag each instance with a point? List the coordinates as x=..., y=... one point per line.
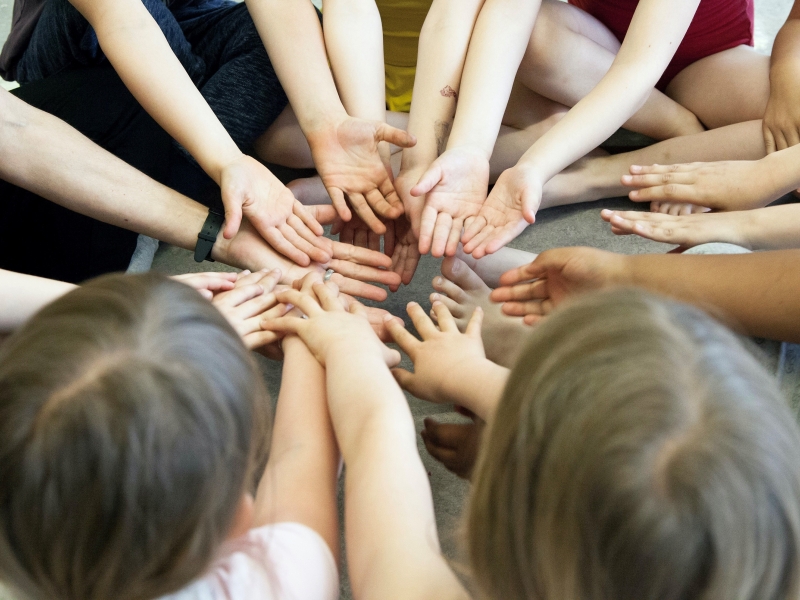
x=477, y=385
x=321, y=122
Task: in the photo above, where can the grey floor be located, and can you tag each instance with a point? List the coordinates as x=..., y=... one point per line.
x=566, y=226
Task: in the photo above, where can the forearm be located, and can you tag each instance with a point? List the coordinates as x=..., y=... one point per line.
x=300, y=481
x=501, y=35
x=293, y=38
x=141, y=55
x=354, y=41
x=477, y=386
x=786, y=48
x=393, y=549
x=772, y=228
x=758, y=292
x=21, y=296
x=443, y=44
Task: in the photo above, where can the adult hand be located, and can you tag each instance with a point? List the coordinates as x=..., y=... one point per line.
x=250, y=302
x=685, y=231
x=509, y=209
x=354, y=267
x=329, y=328
x=348, y=160
x=535, y=289
x=781, y=124
x=208, y=284
x=455, y=188
x=440, y=353
x=728, y=185
x=249, y=189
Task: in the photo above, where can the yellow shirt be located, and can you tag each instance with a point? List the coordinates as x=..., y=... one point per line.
x=402, y=21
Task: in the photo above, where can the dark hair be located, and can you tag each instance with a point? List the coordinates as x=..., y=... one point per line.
x=131, y=416
x=639, y=453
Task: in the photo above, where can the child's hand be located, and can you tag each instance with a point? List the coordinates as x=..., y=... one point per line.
x=535, y=289
x=208, y=284
x=724, y=186
x=440, y=353
x=249, y=189
x=249, y=303
x=509, y=209
x=348, y=160
x=327, y=327
x=685, y=231
x=455, y=445
x=455, y=188
x=405, y=251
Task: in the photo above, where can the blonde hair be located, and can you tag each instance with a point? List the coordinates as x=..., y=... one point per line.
x=131, y=416
x=639, y=453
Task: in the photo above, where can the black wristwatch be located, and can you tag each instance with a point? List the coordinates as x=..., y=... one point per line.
x=208, y=235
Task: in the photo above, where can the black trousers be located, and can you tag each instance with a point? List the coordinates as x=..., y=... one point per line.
x=41, y=238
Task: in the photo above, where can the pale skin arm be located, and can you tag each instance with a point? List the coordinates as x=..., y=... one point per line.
x=756, y=292
x=300, y=481
x=392, y=543
x=21, y=296
x=782, y=117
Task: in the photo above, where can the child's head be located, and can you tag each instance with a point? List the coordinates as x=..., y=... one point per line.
x=639, y=453
x=131, y=416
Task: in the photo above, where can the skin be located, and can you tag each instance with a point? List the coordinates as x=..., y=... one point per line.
x=757, y=293
x=390, y=528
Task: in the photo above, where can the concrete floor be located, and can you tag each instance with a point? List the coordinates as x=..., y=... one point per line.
x=566, y=226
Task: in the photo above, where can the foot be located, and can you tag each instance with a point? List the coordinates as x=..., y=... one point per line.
x=591, y=178
x=309, y=190
x=461, y=290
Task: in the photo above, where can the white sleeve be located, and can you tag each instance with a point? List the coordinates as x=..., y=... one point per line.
x=285, y=561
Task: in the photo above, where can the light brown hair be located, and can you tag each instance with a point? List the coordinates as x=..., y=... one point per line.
x=639, y=453
x=131, y=416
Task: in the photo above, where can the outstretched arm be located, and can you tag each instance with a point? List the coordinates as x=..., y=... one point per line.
x=757, y=292
x=21, y=296
x=782, y=117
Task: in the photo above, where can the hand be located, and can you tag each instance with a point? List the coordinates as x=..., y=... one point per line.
x=405, y=255
x=250, y=302
x=729, y=185
x=405, y=181
x=353, y=266
x=349, y=162
x=536, y=289
x=509, y=209
x=208, y=284
x=440, y=353
x=249, y=189
x=781, y=123
x=455, y=186
x=455, y=445
x=329, y=328
x=685, y=231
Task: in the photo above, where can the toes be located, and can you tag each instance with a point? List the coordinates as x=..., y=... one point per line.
x=456, y=309
x=458, y=272
x=448, y=288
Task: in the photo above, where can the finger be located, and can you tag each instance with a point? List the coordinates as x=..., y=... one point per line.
x=405, y=380
x=379, y=204
x=520, y=274
x=479, y=240
x=428, y=181
x=388, y=191
x=658, y=179
x=656, y=168
x=427, y=224
x=374, y=241
x=276, y=239
x=256, y=306
x=446, y=321
x=360, y=289
x=792, y=138
x=410, y=264
x=364, y=211
x=422, y=322
x=364, y=273
x=402, y=337
x=362, y=256
x=769, y=140
x=535, y=290
x=307, y=218
x=474, y=226
x=339, y=203
x=233, y=218
x=355, y=307
x=520, y=309
x=665, y=193
x=389, y=240
x=239, y=295
x=313, y=250
x=285, y=325
x=391, y=357
x=780, y=141
x=328, y=293
x=441, y=232
x=325, y=214
x=503, y=236
x=304, y=302
x=259, y=339
x=398, y=137
x=475, y=324
x=455, y=237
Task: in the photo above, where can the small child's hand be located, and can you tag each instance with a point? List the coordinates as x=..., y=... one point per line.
x=251, y=301
x=249, y=189
x=208, y=284
x=440, y=352
x=327, y=327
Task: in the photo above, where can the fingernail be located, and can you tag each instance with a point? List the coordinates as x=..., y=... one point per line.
x=627, y=178
x=437, y=303
x=438, y=281
x=635, y=168
x=276, y=272
x=388, y=318
x=434, y=297
x=413, y=304
x=245, y=272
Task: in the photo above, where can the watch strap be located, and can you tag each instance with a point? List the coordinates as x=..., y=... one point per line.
x=208, y=235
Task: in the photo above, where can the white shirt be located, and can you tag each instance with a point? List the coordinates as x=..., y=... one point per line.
x=286, y=561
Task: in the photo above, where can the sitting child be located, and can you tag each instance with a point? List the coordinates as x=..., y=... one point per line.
x=636, y=450
x=133, y=430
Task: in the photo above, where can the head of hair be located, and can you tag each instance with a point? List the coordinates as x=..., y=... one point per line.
x=639, y=452
x=131, y=417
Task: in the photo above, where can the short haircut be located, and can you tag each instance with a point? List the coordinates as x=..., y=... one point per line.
x=639, y=452
x=131, y=417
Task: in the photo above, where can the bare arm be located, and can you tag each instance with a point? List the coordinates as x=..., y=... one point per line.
x=21, y=296
x=300, y=481
x=782, y=117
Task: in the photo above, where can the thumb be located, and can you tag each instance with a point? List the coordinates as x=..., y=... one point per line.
x=429, y=180
x=393, y=135
x=233, y=219
x=405, y=379
x=530, y=204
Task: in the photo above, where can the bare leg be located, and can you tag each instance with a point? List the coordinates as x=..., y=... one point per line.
x=569, y=53
x=284, y=143
x=599, y=177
